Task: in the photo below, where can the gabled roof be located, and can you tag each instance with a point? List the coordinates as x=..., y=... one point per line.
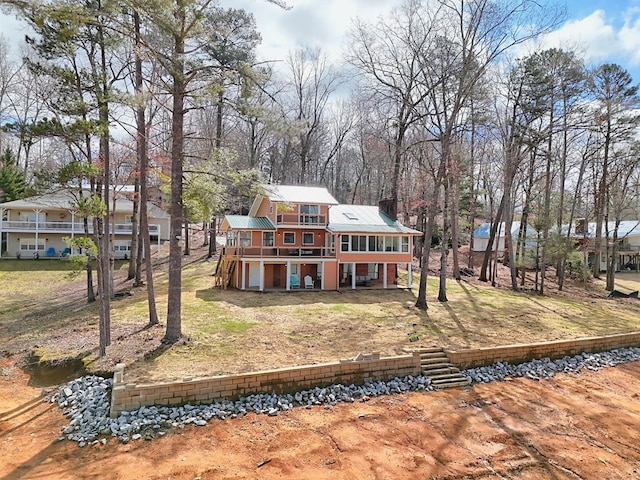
x=64, y=199
x=293, y=194
x=243, y=222
x=299, y=194
x=364, y=219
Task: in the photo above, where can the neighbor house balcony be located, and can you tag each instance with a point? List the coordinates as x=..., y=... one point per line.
x=279, y=252
x=626, y=249
x=17, y=226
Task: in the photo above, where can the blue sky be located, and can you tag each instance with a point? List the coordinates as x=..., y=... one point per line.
x=604, y=30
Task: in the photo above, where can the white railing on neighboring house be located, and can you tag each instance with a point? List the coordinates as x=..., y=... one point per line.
x=17, y=226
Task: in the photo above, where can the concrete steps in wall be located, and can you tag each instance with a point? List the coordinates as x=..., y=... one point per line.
x=437, y=366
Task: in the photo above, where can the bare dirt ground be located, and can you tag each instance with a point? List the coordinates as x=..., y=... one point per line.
x=583, y=426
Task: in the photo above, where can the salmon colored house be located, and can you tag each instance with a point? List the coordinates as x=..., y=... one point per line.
x=301, y=238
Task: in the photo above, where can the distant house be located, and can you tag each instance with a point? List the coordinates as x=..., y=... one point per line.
x=481, y=236
x=300, y=237
x=35, y=226
x=628, y=242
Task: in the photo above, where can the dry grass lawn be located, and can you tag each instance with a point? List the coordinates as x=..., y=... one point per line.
x=43, y=310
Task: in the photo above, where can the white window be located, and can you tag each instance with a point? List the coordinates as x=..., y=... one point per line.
x=231, y=239
x=29, y=244
x=310, y=209
x=309, y=214
x=307, y=238
x=358, y=243
x=122, y=246
x=128, y=219
x=31, y=217
x=289, y=238
x=244, y=239
x=267, y=239
x=344, y=243
x=405, y=244
x=373, y=271
x=392, y=244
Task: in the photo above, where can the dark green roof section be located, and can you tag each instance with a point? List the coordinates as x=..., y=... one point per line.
x=244, y=222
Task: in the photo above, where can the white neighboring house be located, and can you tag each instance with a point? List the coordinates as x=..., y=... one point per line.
x=482, y=232
x=37, y=225
x=628, y=242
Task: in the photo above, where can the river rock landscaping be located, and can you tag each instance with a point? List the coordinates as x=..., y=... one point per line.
x=86, y=400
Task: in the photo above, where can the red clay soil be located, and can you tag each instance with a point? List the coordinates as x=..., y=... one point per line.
x=583, y=426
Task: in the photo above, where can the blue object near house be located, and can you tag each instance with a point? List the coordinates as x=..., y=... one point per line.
x=481, y=236
x=65, y=252
x=51, y=252
x=294, y=282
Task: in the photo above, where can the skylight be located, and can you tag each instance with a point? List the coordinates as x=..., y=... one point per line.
x=350, y=216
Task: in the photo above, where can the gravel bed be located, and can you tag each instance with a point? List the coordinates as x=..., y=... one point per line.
x=86, y=400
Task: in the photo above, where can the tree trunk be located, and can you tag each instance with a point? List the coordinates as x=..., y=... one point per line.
x=421, y=301
x=492, y=235
x=187, y=237
x=144, y=164
x=444, y=251
x=174, y=309
x=135, y=233
x=212, y=237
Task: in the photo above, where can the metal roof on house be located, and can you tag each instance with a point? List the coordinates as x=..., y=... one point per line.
x=626, y=228
x=299, y=194
x=364, y=219
x=243, y=222
x=484, y=230
x=64, y=199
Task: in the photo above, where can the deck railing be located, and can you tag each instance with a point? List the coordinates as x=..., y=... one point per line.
x=279, y=252
x=66, y=227
x=301, y=219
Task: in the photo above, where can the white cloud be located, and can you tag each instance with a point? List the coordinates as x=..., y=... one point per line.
x=308, y=23
x=630, y=37
x=13, y=32
x=592, y=36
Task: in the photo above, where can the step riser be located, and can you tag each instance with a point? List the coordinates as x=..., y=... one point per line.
x=429, y=361
x=452, y=385
x=435, y=366
x=433, y=355
x=441, y=371
x=446, y=377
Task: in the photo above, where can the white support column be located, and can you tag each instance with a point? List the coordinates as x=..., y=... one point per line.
x=322, y=277
x=244, y=275
x=409, y=276
x=353, y=275
x=384, y=275
x=288, y=280
x=261, y=288
x=37, y=230
x=158, y=242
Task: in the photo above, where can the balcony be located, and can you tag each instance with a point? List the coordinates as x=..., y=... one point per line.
x=286, y=253
x=66, y=227
x=302, y=219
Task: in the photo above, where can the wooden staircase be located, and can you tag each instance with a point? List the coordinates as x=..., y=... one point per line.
x=224, y=272
x=443, y=374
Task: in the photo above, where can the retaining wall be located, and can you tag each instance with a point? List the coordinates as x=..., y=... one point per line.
x=286, y=380
x=514, y=354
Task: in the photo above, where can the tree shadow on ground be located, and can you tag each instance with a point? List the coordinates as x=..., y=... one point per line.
x=244, y=299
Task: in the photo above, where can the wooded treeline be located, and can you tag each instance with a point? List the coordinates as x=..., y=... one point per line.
x=437, y=105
